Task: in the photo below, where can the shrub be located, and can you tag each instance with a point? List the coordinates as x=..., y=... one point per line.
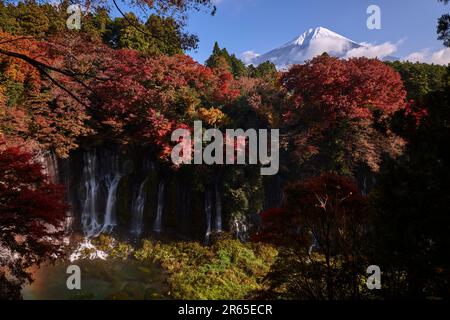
x=228, y=269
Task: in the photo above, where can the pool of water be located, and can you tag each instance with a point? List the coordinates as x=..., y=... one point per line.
x=100, y=280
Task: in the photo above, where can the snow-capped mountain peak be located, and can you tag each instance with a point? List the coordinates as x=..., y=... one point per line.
x=311, y=43
x=316, y=33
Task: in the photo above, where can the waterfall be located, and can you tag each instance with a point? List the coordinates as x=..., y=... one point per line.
x=101, y=178
x=52, y=170
x=314, y=244
x=106, y=182
x=65, y=174
x=157, y=226
x=240, y=228
x=112, y=183
x=68, y=223
x=49, y=162
x=89, y=216
x=137, y=210
x=208, y=214
x=218, y=209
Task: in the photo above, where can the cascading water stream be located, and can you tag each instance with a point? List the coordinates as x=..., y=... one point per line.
x=108, y=182
x=208, y=214
x=49, y=162
x=110, y=221
x=89, y=216
x=137, y=209
x=157, y=226
x=218, y=221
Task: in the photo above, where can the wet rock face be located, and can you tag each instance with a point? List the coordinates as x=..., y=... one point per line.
x=127, y=193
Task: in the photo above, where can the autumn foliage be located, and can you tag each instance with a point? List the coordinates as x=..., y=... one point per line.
x=31, y=215
x=146, y=98
x=77, y=88
x=337, y=109
x=322, y=228
x=345, y=125
x=327, y=199
x=34, y=111
x=353, y=88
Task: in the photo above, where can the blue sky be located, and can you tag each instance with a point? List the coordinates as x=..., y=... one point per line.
x=262, y=25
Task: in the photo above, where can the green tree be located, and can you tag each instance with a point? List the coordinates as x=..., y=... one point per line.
x=264, y=70
x=443, y=28
x=123, y=33
x=43, y=20
x=233, y=63
x=159, y=35
x=215, y=53
x=215, y=59
x=238, y=67
x=166, y=37
x=420, y=78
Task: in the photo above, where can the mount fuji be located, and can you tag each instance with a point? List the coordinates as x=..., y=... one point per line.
x=313, y=42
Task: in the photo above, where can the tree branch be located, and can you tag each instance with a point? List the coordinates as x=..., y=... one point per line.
x=42, y=68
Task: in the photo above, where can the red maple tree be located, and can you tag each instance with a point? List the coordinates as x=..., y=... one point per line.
x=31, y=213
x=353, y=88
x=322, y=229
x=337, y=110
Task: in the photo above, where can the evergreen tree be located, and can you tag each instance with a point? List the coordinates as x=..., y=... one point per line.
x=265, y=69
x=238, y=67
x=234, y=64
x=443, y=28
x=215, y=59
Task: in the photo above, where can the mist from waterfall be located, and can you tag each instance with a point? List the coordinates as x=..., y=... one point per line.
x=157, y=226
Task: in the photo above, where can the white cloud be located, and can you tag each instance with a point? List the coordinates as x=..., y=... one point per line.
x=248, y=56
x=427, y=56
x=373, y=51
x=332, y=46
x=340, y=48
x=417, y=56
x=335, y=46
